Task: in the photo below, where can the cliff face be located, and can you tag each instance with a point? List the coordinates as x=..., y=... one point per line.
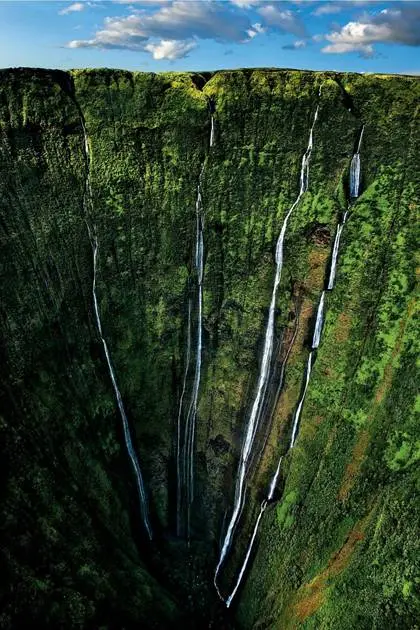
x=337, y=545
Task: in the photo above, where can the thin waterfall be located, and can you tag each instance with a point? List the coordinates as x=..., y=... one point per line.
x=274, y=480
x=189, y=429
x=185, y=469
x=319, y=322
x=212, y=132
x=192, y=411
x=127, y=435
x=248, y=553
x=354, y=193
x=178, y=441
x=270, y=494
x=315, y=343
x=355, y=169
x=334, y=257
x=265, y=363
x=301, y=401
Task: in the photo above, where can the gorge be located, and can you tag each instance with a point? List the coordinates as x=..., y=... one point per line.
x=208, y=348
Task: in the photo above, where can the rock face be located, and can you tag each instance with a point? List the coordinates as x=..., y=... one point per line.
x=337, y=547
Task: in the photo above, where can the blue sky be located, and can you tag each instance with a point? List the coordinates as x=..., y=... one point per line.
x=153, y=35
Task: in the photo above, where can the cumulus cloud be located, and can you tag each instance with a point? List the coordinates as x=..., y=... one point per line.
x=283, y=19
x=181, y=20
x=172, y=31
x=170, y=49
x=73, y=8
x=393, y=26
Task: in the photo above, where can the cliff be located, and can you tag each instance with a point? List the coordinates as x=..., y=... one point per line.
x=123, y=154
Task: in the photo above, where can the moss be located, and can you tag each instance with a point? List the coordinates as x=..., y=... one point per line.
x=70, y=493
x=283, y=509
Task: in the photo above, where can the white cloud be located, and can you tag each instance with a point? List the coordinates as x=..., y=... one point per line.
x=393, y=26
x=356, y=36
x=255, y=30
x=182, y=20
x=283, y=19
x=171, y=29
x=170, y=49
x=72, y=8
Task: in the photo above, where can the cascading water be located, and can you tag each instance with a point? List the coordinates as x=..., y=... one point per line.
x=354, y=193
x=315, y=343
x=301, y=401
x=319, y=322
x=265, y=364
x=185, y=465
x=248, y=553
x=127, y=435
x=272, y=486
x=178, y=441
x=334, y=257
x=355, y=169
x=212, y=132
x=192, y=410
x=275, y=477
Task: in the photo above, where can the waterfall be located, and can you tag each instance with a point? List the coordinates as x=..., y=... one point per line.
x=335, y=254
x=354, y=193
x=319, y=322
x=192, y=411
x=212, y=132
x=274, y=480
x=185, y=469
x=265, y=363
x=127, y=435
x=248, y=554
x=178, y=441
x=270, y=494
x=355, y=169
x=315, y=343
x=301, y=401
x=263, y=506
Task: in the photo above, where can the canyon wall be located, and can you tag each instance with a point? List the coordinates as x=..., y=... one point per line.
x=336, y=548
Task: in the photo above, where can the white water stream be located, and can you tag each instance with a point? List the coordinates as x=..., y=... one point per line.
x=185, y=455
x=319, y=321
x=178, y=442
x=127, y=435
x=315, y=343
x=355, y=169
x=265, y=364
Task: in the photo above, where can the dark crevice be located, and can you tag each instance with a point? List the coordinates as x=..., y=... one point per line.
x=347, y=99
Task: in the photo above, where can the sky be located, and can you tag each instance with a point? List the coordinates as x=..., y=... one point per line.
x=161, y=35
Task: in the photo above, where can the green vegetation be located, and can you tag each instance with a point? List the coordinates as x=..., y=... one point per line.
x=338, y=549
